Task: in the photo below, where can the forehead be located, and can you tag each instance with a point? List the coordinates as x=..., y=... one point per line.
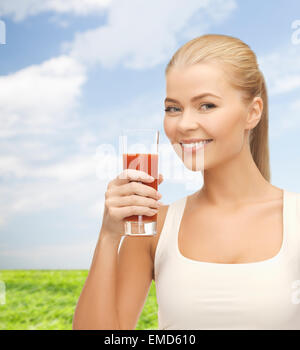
x=191, y=80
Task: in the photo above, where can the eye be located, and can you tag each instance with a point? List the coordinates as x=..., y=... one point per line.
x=208, y=104
x=168, y=109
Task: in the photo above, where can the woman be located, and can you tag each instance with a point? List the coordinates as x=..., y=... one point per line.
x=227, y=256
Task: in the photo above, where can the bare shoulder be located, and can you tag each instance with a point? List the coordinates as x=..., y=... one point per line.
x=161, y=215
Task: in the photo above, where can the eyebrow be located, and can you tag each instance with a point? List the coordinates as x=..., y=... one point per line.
x=168, y=99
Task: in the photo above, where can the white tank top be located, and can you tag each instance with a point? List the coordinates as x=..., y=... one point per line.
x=193, y=294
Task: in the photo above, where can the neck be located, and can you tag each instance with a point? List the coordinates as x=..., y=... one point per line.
x=235, y=182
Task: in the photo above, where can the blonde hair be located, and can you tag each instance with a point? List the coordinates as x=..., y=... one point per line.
x=243, y=74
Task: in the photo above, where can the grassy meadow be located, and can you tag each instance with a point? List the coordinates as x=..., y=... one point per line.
x=46, y=300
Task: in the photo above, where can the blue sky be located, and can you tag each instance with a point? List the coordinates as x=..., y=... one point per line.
x=72, y=73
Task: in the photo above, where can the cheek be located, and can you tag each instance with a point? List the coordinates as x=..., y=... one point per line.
x=229, y=130
x=170, y=127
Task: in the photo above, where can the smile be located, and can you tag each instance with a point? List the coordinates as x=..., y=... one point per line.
x=193, y=147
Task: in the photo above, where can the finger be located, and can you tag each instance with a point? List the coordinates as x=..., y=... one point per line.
x=135, y=188
x=134, y=200
x=128, y=175
x=134, y=210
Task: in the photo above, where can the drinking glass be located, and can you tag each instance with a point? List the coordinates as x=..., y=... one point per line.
x=140, y=152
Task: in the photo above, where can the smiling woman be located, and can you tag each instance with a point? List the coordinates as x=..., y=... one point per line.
x=223, y=250
x=226, y=256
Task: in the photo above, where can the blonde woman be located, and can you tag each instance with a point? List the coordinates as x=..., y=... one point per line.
x=226, y=256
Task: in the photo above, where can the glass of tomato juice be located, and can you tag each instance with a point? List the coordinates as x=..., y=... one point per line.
x=140, y=152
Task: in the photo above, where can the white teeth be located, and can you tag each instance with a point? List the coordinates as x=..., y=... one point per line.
x=191, y=145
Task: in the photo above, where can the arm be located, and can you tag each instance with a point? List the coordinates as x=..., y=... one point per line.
x=117, y=285
x=96, y=307
x=135, y=274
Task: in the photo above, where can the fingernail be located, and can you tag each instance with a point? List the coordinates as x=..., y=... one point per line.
x=160, y=203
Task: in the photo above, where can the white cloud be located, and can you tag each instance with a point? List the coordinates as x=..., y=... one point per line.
x=21, y=9
x=142, y=34
x=281, y=69
x=74, y=168
x=12, y=166
x=40, y=97
x=71, y=169
x=70, y=182
x=86, y=140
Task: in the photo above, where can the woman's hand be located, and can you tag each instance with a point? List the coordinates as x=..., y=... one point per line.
x=127, y=195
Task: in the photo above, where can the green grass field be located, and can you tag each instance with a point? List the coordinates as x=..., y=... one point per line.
x=46, y=300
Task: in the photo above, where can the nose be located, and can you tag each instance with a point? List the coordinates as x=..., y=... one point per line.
x=187, y=121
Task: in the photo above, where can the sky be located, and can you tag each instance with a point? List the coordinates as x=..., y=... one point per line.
x=74, y=72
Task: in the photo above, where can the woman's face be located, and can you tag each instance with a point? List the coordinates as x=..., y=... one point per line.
x=222, y=118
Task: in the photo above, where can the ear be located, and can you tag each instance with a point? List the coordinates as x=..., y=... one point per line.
x=254, y=112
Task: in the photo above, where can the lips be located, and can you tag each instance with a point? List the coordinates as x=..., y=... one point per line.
x=195, y=147
x=194, y=140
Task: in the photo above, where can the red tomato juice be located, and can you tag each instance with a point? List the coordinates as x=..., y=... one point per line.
x=149, y=164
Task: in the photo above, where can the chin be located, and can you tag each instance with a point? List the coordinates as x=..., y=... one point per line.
x=194, y=167
x=195, y=162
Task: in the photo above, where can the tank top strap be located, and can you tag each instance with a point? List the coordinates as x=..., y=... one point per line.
x=166, y=245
